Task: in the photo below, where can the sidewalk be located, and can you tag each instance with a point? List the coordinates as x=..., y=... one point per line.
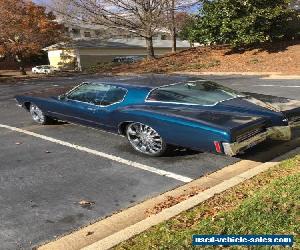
x=264, y=75
x=12, y=76
x=119, y=227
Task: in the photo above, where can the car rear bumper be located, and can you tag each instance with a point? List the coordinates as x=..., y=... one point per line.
x=283, y=133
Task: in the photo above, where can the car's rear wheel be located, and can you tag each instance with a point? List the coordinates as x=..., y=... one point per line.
x=38, y=115
x=145, y=139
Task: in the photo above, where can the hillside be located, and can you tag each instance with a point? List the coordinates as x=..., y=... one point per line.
x=281, y=58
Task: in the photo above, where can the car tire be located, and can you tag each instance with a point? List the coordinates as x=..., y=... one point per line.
x=38, y=115
x=146, y=140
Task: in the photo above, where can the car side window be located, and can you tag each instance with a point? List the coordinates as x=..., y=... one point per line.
x=113, y=95
x=91, y=93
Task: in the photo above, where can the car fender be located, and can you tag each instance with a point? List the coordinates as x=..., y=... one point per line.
x=42, y=103
x=175, y=130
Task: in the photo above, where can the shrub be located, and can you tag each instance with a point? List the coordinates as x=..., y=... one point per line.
x=244, y=22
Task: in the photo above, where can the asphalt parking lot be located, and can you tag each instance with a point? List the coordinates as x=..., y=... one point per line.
x=45, y=171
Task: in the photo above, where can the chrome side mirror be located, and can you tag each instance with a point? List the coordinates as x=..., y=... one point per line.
x=62, y=97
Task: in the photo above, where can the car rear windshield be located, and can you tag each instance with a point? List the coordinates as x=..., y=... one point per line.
x=195, y=93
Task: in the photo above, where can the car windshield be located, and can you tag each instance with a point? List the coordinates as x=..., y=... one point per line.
x=193, y=92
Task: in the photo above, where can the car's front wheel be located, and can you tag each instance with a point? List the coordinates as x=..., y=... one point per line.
x=38, y=115
x=145, y=139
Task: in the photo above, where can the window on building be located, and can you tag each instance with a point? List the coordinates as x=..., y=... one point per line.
x=75, y=32
x=87, y=34
x=98, y=33
x=164, y=37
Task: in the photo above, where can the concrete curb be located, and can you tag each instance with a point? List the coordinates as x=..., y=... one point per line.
x=98, y=230
x=262, y=75
x=120, y=220
x=168, y=213
x=267, y=75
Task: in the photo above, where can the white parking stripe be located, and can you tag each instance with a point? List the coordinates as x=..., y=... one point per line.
x=279, y=86
x=268, y=85
x=101, y=154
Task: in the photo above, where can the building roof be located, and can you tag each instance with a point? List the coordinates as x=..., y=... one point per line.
x=115, y=43
x=148, y=81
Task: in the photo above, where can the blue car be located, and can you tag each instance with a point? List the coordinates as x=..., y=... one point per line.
x=155, y=112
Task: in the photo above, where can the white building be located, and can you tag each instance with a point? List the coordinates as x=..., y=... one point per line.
x=91, y=45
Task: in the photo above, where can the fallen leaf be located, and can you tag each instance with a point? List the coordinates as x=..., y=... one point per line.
x=170, y=201
x=89, y=233
x=86, y=203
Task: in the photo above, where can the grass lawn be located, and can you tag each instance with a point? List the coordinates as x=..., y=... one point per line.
x=267, y=204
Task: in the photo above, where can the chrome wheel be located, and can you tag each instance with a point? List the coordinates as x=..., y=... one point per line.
x=145, y=139
x=37, y=114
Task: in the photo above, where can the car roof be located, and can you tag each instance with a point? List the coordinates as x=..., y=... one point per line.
x=147, y=81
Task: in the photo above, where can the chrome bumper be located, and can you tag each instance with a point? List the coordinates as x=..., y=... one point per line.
x=295, y=124
x=283, y=133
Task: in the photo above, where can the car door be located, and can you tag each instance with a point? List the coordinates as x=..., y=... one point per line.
x=80, y=104
x=103, y=113
x=90, y=104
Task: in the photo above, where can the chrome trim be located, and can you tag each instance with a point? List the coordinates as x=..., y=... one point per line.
x=274, y=133
x=192, y=104
x=182, y=103
x=295, y=124
x=280, y=133
x=144, y=139
x=37, y=114
x=76, y=118
x=101, y=106
x=249, y=134
x=73, y=89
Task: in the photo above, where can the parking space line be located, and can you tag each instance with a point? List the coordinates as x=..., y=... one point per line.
x=278, y=86
x=102, y=154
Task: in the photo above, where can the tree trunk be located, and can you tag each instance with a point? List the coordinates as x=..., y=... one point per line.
x=150, y=49
x=20, y=63
x=173, y=29
x=174, y=36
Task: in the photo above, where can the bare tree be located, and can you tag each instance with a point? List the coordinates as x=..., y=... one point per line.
x=173, y=7
x=170, y=5
x=140, y=17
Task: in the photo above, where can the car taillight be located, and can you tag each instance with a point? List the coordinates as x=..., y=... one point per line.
x=218, y=147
